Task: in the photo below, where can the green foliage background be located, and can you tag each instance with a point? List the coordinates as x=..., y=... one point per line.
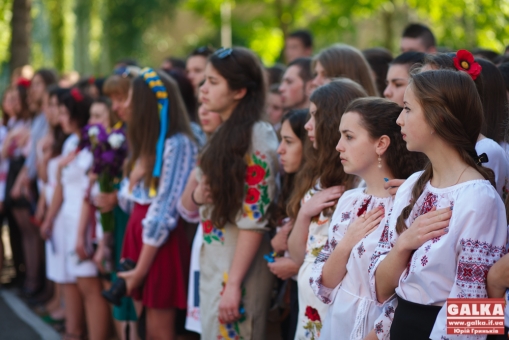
x=90, y=35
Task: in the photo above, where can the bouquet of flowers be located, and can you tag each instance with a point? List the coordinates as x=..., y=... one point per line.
x=109, y=151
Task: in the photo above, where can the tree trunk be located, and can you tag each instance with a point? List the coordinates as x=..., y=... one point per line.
x=20, y=39
x=56, y=18
x=82, y=62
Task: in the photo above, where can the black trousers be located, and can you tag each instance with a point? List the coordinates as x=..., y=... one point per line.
x=289, y=325
x=15, y=166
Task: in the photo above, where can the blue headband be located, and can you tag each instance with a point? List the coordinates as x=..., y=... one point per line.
x=157, y=86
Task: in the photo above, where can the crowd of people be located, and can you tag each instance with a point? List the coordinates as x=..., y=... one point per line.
x=221, y=192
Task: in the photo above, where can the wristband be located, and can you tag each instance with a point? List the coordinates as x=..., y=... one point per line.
x=194, y=201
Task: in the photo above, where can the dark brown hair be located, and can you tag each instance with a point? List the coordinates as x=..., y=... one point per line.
x=112, y=116
x=346, y=61
x=297, y=118
x=59, y=136
x=490, y=86
x=452, y=107
x=223, y=160
x=494, y=102
x=144, y=123
x=378, y=117
x=323, y=162
x=79, y=110
x=379, y=59
x=186, y=91
x=420, y=31
x=49, y=77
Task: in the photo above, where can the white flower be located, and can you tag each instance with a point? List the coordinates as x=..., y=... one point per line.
x=93, y=131
x=116, y=140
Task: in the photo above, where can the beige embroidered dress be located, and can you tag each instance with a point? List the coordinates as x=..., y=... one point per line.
x=312, y=311
x=219, y=245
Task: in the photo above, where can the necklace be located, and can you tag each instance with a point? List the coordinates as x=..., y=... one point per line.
x=461, y=175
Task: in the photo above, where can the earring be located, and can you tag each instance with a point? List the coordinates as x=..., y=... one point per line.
x=379, y=162
x=432, y=132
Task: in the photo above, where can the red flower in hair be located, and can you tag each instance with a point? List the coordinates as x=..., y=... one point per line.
x=91, y=80
x=76, y=94
x=23, y=82
x=464, y=61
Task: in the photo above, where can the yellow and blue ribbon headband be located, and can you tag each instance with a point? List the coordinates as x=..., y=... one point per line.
x=157, y=86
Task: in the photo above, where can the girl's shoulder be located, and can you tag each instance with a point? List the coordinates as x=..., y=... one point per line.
x=179, y=139
x=70, y=144
x=263, y=132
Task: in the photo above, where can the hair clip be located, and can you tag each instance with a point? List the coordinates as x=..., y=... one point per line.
x=76, y=94
x=23, y=82
x=464, y=61
x=483, y=158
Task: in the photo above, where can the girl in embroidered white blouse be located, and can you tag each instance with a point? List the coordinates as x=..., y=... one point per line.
x=429, y=252
x=371, y=147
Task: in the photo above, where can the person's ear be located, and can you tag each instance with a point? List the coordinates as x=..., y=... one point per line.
x=308, y=88
x=382, y=144
x=240, y=93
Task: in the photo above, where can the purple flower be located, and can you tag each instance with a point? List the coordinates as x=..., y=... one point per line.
x=108, y=156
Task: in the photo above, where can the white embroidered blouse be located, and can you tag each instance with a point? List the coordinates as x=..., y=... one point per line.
x=456, y=264
x=353, y=310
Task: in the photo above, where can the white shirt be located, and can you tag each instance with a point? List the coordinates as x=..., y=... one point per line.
x=353, y=310
x=456, y=264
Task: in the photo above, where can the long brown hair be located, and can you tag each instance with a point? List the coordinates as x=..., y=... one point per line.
x=490, y=86
x=378, y=117
x=297, y=119
x=143, y=127
x=223, y=160
x=323, y=162
x=346, y=61
x=453, y=109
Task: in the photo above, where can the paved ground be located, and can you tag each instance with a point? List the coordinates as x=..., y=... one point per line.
x=18, y=322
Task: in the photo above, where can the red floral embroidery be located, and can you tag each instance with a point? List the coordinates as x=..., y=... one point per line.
x=256, y=188
x=475, y=261
x=429, y=202
x=364, y=206
x=424, y=260
x=211, y=233
x=207, y=226
x=255, y=174
x=312, y=314
x=252, y=195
